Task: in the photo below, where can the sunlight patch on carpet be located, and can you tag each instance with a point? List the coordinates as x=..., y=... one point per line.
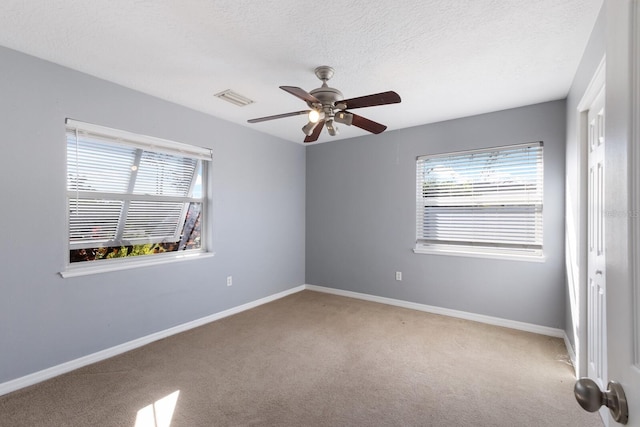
x=159, y=413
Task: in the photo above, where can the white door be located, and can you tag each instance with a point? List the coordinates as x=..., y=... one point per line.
x=622, y=207
x=623, y=199
x=596, y=285
x=623, y=219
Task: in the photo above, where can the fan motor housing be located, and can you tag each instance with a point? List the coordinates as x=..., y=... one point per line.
x=327, y=95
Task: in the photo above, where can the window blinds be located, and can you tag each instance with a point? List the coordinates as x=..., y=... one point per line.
x=126, y=189
x=116, y=136
x=489, y=198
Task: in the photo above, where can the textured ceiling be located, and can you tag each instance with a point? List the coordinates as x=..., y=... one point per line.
x=446, y=59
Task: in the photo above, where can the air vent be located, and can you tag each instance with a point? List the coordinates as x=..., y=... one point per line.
x=234, y=98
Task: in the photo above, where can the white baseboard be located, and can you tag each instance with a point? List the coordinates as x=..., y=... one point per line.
x=45, y=374
x=571, y=352
x=522, y=326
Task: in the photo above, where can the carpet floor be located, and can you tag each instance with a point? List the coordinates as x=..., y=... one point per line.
x=313, y=359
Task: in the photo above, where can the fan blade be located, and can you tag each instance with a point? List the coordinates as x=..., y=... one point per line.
x=366, y=124
x=371, y=100
x=302, y=94
x=316, y=132
x=278, y=116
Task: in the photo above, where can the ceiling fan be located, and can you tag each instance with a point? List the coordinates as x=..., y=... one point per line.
x=327, y=105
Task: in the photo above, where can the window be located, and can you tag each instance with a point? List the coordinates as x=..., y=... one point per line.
x=483, y=202
x=132, y=195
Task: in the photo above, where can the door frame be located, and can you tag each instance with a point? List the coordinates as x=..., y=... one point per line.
x=634, y=164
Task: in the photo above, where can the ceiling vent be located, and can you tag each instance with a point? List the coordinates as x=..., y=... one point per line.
x=234, y=98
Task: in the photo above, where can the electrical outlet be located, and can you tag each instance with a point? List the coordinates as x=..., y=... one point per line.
x=398, y=275
x=229, y=280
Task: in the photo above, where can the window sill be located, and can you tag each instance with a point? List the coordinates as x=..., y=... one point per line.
x=85, y=270
x=481, y=254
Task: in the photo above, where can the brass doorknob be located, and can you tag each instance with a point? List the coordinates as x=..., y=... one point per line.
x=590, y=397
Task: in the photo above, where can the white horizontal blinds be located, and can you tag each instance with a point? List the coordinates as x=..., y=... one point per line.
x=122, y=194
x=489, y=198
x=144, y=142
x=96, y=166
x=92, y=222
x=164, y=174
x=154, y=221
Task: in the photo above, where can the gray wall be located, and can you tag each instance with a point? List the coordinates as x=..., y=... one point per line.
x=361, y=219
x=258, y=220
x=576, y=182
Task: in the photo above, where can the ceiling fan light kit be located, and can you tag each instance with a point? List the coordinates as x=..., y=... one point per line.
x=344, y=118
x=309, y=127
x=315, y=116
x=328, y=106
x=331, y=128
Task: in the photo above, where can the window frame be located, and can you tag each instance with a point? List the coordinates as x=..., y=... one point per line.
x=152, y=145
x=475, y=248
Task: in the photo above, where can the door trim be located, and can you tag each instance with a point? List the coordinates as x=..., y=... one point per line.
x=634, y=165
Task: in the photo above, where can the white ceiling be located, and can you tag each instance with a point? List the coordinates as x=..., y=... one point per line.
x=446, y=58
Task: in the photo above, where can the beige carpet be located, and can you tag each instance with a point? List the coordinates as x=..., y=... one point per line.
x=312, y=359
